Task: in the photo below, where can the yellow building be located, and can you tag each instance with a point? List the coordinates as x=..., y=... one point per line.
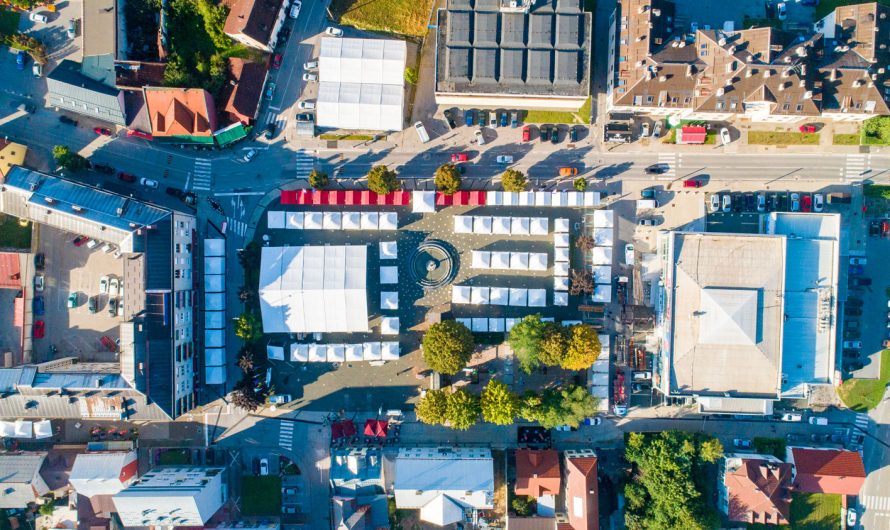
x=11, y=154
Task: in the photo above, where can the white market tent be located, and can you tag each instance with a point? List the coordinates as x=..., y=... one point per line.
x=499, y=296
x=510, y=198
x=463, y=224
x=539, y=226
x=389, y=275
x=519, y=261
x=352, y=221
x=389, y=326
x=332, y=221
x=379, y=61
x=294, y=220
x=518, y=297
x=526, y=198
x=603, y=237
x=500, y=260
x=299, y=352
x=560, y=283
x=460, y=294
x=561, y=225
x=500, y=224
x=354, y=352
x=560, y=299
x=318, y=353
x=576, y=199
x=542, y=198
x=336, y=353
x=601, y=255
x=389, y=300
x=496, y=325
x=480, y=325
x=519, y=226
x=603, y=218
x=481, y=259
x=537, y=261
x=423, y=201
x=275, y=219
x=7, y=428
x=602, y=274
x=494, y=198
x=275, y=353
x=481, y=224
x=313, y=221
x=561, y=255
x=314, y=289
x=389, y=250
x=561, y=269
x=602, y=294
x=22, y=429
x=561, y=240
x=370, y=220
x=479, y=295
x=389, y=221
x=591, y=198
x=371, y=351
x=559, y=198
x=43, y=429
x=537, y=298
x=389, y=351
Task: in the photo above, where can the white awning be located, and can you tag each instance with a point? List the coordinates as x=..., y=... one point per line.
x=294, y=220
x=214, y=375
x=576, y=199
x=560, y=299
x=559, y=198
x=389, y=300
x=591, y=198
x=389, y=326
x=275, y=219
x=332, y=220
x=463, y=224
x=214, y=356
x=460, y=294
x=602, y=274
x=318, y=353
x=526, y=198
x=7, y=429
x=480, y=325
x=518, y=297
x=510, y=198
x=500, y=260
x=561, y=268
x=561, y=254
x=275, y=353
x=499, y=296
x=352, y=221
x=479, y=296
x=468, y=322
x=560, y=283
x=423, y=201
x=603, y=218
x=370, y=220
x=537, y=261
x=299, y=353
x=561, y=225
x=389, y=275
x=336, y=353
x=389, y=351
x=601, y=255
x=389, y=250
x=603, y=237
x=561, y=240
x=602, y=293
x=537, y=298
x=500, y=225
x=43, y=429
x=494, y=198
x=481, y=259
x=519, y=226
x=519, y=261
x=542, y=198
x=354, y=352
x=540, y=226
x=313, y=221
x=389, y=221
x=371, y=351
x=481, y=224
x=22, y=429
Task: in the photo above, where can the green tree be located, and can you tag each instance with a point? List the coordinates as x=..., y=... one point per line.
x=248, y=327
x=563, y=406
x=499, y=405
x=878, y=127
x=525, y=340
x=711, y=450
x=31, y=45
x=318, y=179
x=447, y=179
x=583, y=348
x=523, y=506
x=69, y=159
x=411, y=75
x=217, y=73
x=447, y=346
x=462, y=410
x=431, y=408
x=554, y=344
x=214, y=16
x=513, y=180
x=580, y=184
x=175, y=73
x=383, y=180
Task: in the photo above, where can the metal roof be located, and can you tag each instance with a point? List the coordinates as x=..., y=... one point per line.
x=69, y=89
x=485, y=65
x=459, y=63
x=568, y=32
x=568, y=67
x=540, y=33
x=19, y=472
x=485, y=30
x=513, y=65
x=512, y=30
x=459, y=28
x=539, y=66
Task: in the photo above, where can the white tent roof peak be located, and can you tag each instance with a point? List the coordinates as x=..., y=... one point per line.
x=729, y=316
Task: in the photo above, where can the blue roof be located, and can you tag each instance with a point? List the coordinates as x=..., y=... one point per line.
x=94, y=204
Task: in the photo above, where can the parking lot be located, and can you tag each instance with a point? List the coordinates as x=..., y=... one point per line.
x=76, y=270
x=866, y=310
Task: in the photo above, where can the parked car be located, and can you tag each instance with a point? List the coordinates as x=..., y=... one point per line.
x=807, y=129
x=295, y=9
x=310, y=77
x=781, y=11
x=855, y=270
x=39, y=261
x=644, y=130
x=573, y=134
x=657, y=169
x=39, y=283
x=715, y=203
x=72, y=300
x=20, y=60
x=114, y=286
x=818, y=202
x=37, y=305
x=858, y=261
x=249, y=155
x=742, y=443
x=648, y=222
x=568, y=171
x=806, y=203
x=126, y=177
x=514, y=119
x=270, y=91
x=526, y=133
x=280, y=399
x=39, y=329
x=103, y=168
x=37, y=70
x=264, y=467
x=480, y=138
x=93, y=304
x=554, y=135
x=333, y=32
x=469, y=117
x=103, y=285
x=283, y=35
x=545, y=133
x=860, y=282
x=725, y=138
x=852, y=366
x=92, y=243
x=818, y=420
x=67, y=121
x=727, y=203
x=276, y=61
x=305, y=116
x=79, y=240
x=852, y=312
x=656, y=132
x=505, y=159
x=855, y=344
x=791, y=416
x=504, y=119
x=149, y=183
x=311, y=65
x=691, y=183
x=851, y=517
x=102, y=131
x=795, y=202
x=38, y=17
x=761, y=202
x=72, y=28
x=449, y=118
x=112, y=306
x=459, y=157
x=306, y=105
x=648, y=193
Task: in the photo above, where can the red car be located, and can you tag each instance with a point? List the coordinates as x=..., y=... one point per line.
x=38, y=331
x=101, y=131
x=885, y=228
x=526, y=133
x=276, y=61
x=139, y=134
x=691, y=183
x=126, y=177
x=459, y=157
x=80, y=240
x=807, y=129
x=806, y=203
x=109, y=344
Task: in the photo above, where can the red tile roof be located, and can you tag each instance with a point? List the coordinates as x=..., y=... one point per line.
x=582, y=493
x=10, y=273
x=242, y=94
x=537, y=472
x=757, y=491
x=180, y=111
x=827, y=471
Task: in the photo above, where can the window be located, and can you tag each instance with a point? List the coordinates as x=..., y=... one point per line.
x=786, y=106
x=799, y=107
x=622, y=58
x=719, y=105
x=178, y=248
x=674, y=100
x=649, y=99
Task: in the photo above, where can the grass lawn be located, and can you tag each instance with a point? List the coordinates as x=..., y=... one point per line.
x=9, y=21
x=174, y=457
x=260, y=495
x=865, y=394
x=781, y=138
x=402, y=17
x=871, y=140
x=845, y=139
x=827, y=6
x=810, y=511
x=14, y=235
x=558, y=117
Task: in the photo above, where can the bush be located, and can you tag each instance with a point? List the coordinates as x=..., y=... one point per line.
x=447, y=346
x=318, y=179
x=580, y=184
x=523, y=506
x=248, y=327
x=447, y=179
x=513, y=180
x=877, y=128
x=34, y=48
x=383, y=180
x=411, y=75
x=68, y=159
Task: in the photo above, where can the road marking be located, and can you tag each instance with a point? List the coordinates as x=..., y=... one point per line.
x=305, y=164
x=671, y=160
x=237, y=227
x=875, y=502
x=286, y=435
x=203, y=175
x=237, y=193
x=856, y=165
x=862, y=421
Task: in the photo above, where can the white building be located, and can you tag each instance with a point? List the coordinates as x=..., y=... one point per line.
x=103, y=473
x=362, y=84
x=172, y=497
x=443, y=482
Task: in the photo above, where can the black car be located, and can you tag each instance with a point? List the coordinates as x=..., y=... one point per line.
x=657, y=169
x=853, y=302
x=185, y=196
x=39, y=261
x=772, y=202
x=783, y=202
x=874, y=228
x=852, y=311
x=851, y=354
x=67, y=121
x=103, y=168
x=860, y=282
x=270, y=131
x=573, y=134
x=305, y=117
x=283, y=35
x=750, y=202
x=554, y=137
x=738, y=202
x=449, y=118
x=23, y=106
x=853, y=366
x=851, y=325
x=112, y=306
x=545, y=133
x=93, y=304
x=851, y=334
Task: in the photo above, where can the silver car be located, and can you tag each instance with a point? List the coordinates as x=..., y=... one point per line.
x=795, y=202
x=715, y=203
x=727, y=203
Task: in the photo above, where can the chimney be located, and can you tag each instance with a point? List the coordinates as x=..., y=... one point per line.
x=802, y=83
x=722, y=41
x=720, y=92
x=534, y=458
x=802, y=51
x=781, y=87
x=767, y=73
x=833, y=76
x=749, y=72
x=663, y=78
x=688, y=70
x=786, y=73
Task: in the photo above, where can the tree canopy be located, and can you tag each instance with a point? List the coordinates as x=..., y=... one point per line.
x=248, y=327
x=525, y=340
x=514, y=180
x=499, y=405
x=559, y=406
x=68, y=159
x=583, y=348
x=432, y=407
x=383, y=180
x=665, y=491
x=447, y=346
x=447, y=179
x=318, y=179
x=462, y=409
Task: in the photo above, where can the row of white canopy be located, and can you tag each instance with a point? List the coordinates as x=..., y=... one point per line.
x=214, y=311
x=517, y=261
x=26, y=429
x=517, y=226
x=464, y=294
x=542, y=198
x=338, y=353
x=502, y=324
x=333, y=220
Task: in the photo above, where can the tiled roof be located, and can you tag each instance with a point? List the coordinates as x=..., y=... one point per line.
x=582, y=493
x=253, y=18
x=180, y=111
x=827, y=470
x=757, y=490
x=537, y=472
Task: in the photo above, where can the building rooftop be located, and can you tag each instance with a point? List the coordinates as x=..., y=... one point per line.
x=177, y=496
x=357, y=471
x=99, y=27
x=133, y=75
x=105, y=473
x=582, y=490
x=253, y=18
x=537, y=472
x=757, y=489
x=20, y=483
x=242, y=94
x=834, y=471
x=180, y=112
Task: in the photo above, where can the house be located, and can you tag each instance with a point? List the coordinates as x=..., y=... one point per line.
x=538, y=476
x=11, y=154
x=242, y=94
x=20, y=480
x=181, y=115
x=755, y=489
x=105, y=473
x=444, y=482
x=69, y=89
x=255, y=23
x=581, y=489
x=175, y=496
x=366, y=513
x=692, y=134
x=826, y=470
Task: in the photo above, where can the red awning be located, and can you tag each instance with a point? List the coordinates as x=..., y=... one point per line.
x=336, y=197
x=443, y=200
x=477, y=198
x=365, y=197
x=382, y=428
x=336, y=430
x=349, y=197
x=304, y=197
x=461, y=198
x=289, y=197
x=401, y=198
x=319, y=197
x=348, y=428
x=693, y=134
x=384, y=199
x=370, y=428
x=18, y=317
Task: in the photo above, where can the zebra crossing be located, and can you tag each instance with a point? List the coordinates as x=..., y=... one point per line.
x=856, y=165
x=286, y=435
x=235, y=226
x=279, y=119
x=875, y=502
x=671, y=159
x=202, y=178
x=305, y=162
x=861, y=421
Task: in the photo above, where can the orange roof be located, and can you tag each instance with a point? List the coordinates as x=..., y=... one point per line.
x=828, y=471
x=180, y=111
x=537, y=472
x=758, y=491
x=582, y=493
x=10, y=272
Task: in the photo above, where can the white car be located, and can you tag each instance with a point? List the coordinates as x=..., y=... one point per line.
x=818, y=202
x=724, y=136
x=280, y=399
x=851, y=517
x=629, y=254
x=853, y=344
x=306, y=105
x=727, y=203
x=103, y=284
x=792, y=417
x=795, y=202
x=311, y=65
x=505, y=159
x=114, y=287
x=264, y=467
x=38, y=17
x=310, y=77
x=644, y=132
x=781, y=11
x=248, y=156
x=334, y=32
x=149, y=183
x=480, y=138
x=656, y=132
x=295, y=9
x=715, y=203
x=861, y=261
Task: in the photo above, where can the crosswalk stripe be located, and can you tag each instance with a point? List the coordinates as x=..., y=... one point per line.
x=236, y=226
x=285, y=434
x=856, y=165
x=304, y=163
x=202, y=175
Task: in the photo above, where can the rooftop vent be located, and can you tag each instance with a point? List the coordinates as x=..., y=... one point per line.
x=49, y=200
x=77, y=208
x=808, y=94
x=767, y=73
x=802, y=51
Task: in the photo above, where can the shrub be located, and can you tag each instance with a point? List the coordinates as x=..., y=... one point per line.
x=513, y=180
x=383, y=180
x=580, y=184
x=318, y=179
x=447, y=179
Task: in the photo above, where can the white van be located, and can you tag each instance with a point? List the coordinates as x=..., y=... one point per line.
x=791, y=416
x=647, y=204
x=815, y=420
x=421, y=132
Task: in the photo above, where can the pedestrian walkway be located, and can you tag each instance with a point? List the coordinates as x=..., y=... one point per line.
x=286, y=435
x=234, y=226
x=875, y=502
x=856, y=166
x=202, y=179
x=305, y=163
x=673, y=162
x=862, y=421
x=276, y=118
